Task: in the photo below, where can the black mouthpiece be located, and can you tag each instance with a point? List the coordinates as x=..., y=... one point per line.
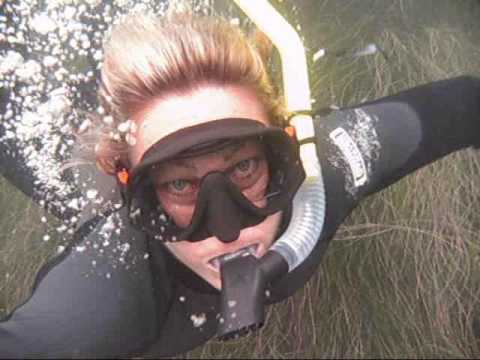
x=244, y=280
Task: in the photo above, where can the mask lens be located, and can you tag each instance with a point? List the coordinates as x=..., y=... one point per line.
x=251, y=177
x=244, y=163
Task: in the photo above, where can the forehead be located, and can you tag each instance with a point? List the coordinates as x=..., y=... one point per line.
x=210, y=157
x=170, y=113
x=225, y=150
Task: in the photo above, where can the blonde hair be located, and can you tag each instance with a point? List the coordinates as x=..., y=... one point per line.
x=147, y=57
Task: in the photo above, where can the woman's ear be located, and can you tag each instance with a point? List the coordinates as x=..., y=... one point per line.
x=109, y=155
x=106, y=166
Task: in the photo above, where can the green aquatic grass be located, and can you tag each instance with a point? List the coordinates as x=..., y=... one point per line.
x=22, y=247
x=401, y=279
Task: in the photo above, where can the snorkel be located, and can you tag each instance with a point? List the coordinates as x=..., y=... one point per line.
x=245, y=278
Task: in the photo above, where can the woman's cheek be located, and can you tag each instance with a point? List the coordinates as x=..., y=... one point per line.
x=181, y=214
x=257, y=193
x=186, y=252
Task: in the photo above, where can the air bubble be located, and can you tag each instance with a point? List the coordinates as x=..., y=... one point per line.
x=131, y=140
x=10, y=62
x=198, y=320
x=42, y=24
x=49, y=61
x=108, y=119
x=124, y=126
x=84, y=126
x=92, y=194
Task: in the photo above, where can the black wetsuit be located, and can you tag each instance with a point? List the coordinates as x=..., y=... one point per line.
x=111, y=303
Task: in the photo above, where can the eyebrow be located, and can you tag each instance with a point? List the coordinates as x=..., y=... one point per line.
x=228, y=152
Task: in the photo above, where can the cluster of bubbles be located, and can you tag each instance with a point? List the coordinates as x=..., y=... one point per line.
x=50, y=60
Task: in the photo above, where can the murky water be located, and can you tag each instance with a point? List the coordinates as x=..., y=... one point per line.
x=50, y=55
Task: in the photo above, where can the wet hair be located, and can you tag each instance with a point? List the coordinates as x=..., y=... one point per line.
x=147, y=57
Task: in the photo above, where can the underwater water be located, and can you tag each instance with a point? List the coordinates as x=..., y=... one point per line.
x=402, y=276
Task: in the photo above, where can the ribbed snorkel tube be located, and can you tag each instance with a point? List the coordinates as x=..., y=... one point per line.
x=244, y=279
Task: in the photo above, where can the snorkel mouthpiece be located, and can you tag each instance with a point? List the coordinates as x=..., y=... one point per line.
x=244, y=281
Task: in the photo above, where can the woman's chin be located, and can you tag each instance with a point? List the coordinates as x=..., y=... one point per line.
x=203, y=257
x=213, y=279
x=216, y=283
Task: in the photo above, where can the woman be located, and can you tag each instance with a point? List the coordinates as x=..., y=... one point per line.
x=192, y=122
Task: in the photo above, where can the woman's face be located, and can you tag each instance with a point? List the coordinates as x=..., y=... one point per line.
x=176, y=181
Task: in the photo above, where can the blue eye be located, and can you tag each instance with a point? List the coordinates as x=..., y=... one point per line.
x=244, y=169
x=179, y=185
x=245, y=166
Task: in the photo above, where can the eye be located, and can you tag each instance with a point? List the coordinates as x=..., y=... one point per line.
x=245, y=168
x=180, y=186
x=246, y=172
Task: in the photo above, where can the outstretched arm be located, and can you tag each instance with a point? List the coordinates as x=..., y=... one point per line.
x=97, y=298
x=398, y=134
x=30, y=160
x=97, y=301
x=365, y=148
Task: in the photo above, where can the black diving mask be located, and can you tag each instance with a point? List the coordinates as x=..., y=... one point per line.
x=221, y=209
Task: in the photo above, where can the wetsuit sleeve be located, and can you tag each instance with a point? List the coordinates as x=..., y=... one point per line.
x=365, y=148
x=37, y=175
x=377, y=143
x=95, y=301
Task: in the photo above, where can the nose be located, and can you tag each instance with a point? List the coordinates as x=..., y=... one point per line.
x=221, y=210
x=224, y=216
